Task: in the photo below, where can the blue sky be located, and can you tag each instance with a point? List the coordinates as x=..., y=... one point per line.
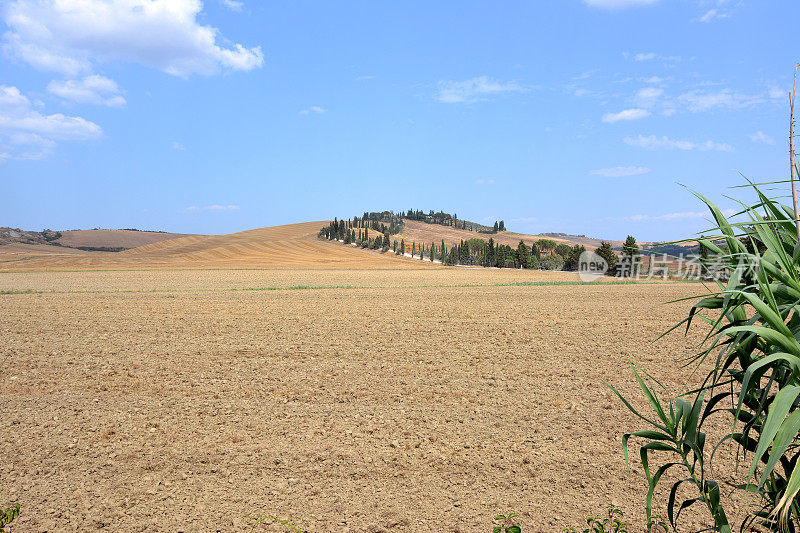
x=579, y=116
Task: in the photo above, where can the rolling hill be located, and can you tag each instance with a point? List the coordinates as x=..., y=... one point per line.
x=290, y=246
x=293, y=245
x=87, y=240
x=422, y=232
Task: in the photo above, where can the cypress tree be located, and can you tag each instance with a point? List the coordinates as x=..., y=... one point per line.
x=523, y=255
x=607, y=253
x=630, y=256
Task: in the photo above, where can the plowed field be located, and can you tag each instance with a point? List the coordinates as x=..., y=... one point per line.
x=373, y=399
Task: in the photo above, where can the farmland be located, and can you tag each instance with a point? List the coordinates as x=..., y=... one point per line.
x=399, y=396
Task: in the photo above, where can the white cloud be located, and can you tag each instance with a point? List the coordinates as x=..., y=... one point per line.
x=776, y=93
x=93, y=89
x=585, y=75
x=683, y=215
x=233, y=5
x=178, y=146
x=713, y=14
x=697, y=101
x=482, y=181
x=648, y=97
x=25, y=133
x=652, y=79
x=649, y=56
x=709, y=16
x=74, y=36
x=473, y=90
x=618, y=4
x=703, y=101
x=317, y=110
x=214, y=207
x=761, y=137
x=627, y=114
x=652, y=142
x=22, y=146
x=365, y=78
x=619, y=172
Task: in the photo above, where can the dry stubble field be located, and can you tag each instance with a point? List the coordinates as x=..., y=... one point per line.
x=401, y=400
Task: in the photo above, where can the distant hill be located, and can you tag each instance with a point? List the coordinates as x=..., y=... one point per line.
x=104, y=240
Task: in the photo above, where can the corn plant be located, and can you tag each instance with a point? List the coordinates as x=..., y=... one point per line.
x=7, y=516
x=507, y=524
x=611, y=524
x=753, y=352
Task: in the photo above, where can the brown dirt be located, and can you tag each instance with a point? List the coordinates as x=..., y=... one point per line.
x=407, y=400
x=14, y=251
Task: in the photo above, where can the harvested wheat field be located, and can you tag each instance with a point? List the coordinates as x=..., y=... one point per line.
x=289, y=246
x=411, y=398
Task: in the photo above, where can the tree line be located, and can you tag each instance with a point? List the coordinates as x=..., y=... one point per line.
x=544, y=254
x=446, y=219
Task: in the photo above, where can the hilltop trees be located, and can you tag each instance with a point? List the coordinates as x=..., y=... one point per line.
x=473, y=251
x=544, y=253
x=446, y=219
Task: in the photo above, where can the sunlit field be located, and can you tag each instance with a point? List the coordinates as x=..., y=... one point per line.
x=360, y=400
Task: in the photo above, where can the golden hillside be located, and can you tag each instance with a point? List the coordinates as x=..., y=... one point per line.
x=292, y=245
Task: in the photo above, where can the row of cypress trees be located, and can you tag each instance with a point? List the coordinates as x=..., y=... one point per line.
x=542, y=254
